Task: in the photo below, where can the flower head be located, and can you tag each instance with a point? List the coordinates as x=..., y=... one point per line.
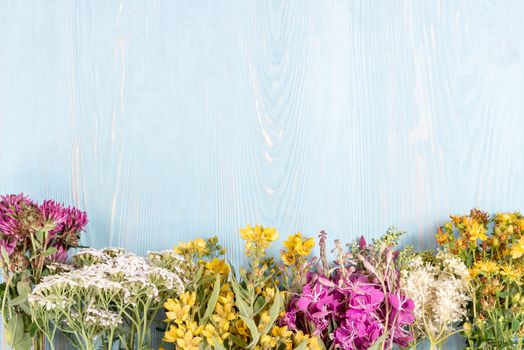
x=257, y=239
x=517, y=250
x=218, y=266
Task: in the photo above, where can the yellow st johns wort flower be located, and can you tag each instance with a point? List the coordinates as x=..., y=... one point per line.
x=517, y=250
x=218, y=266
x=486, y=267
x=442, y=236
x=476, y=230
x=511, y=272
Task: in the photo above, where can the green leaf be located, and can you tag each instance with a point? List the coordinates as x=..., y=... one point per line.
x=18, y=300
x=253, y=329
x=199, y=273
x=23, y=288
x=378, y=344
x=212, y=301
x=39, y=236
x=237, y=288
x=243, y=308
x=274, y=311
x=15, y=335
x=50, y=251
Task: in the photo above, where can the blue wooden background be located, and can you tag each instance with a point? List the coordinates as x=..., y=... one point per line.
x=167, y=120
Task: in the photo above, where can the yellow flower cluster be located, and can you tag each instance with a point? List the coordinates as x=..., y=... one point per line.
x=493, y=250
x=237, y=321
x=296, y=246
x=195, y=247
x=506, y=239
x=218, y=266
x=185, y=331
x=290, y=340
x=258, y=239
x=224, y=312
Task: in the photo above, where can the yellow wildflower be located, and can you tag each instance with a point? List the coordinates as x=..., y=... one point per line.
x=187, y=298
x=268, y=341
x=300, y=337
x=223, y=314
x=472, y=273
x=218, y=266
x=242, y=329
x=226, y=297
x=313, y=344
x=288, y=258
x=178, y=313
x=486, y=267
x=517, y=250
x=200, y=246
x=210, y=332
x=170, y=304
x=188, y=341
x=269, y=293
x=442, y=237
x=194, y=327
x=476, y=231
x=197, y=246
x=181, y=248
x=512, y=273
x=174, y=333
x=258, y=238
x=282, y=332
x=305, y=248
x=299, y=245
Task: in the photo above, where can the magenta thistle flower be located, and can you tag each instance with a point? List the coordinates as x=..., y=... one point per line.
x=8, y=245
x=54, y=214
x=60, y=256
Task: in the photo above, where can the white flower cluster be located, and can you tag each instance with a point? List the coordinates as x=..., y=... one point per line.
x=440, y=291
x=103, y=318
x=105, y=276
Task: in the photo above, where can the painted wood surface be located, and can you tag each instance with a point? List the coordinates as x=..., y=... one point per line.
x=167, y=120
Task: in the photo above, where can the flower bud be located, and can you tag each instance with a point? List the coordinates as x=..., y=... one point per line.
x=467, y=328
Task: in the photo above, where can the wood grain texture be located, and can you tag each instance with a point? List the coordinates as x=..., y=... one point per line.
x=168, y=120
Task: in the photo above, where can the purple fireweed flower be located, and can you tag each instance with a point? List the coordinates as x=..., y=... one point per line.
x=353, y=310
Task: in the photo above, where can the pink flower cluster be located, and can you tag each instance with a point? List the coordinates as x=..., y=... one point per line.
x=354, y=309
x=22, y=219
